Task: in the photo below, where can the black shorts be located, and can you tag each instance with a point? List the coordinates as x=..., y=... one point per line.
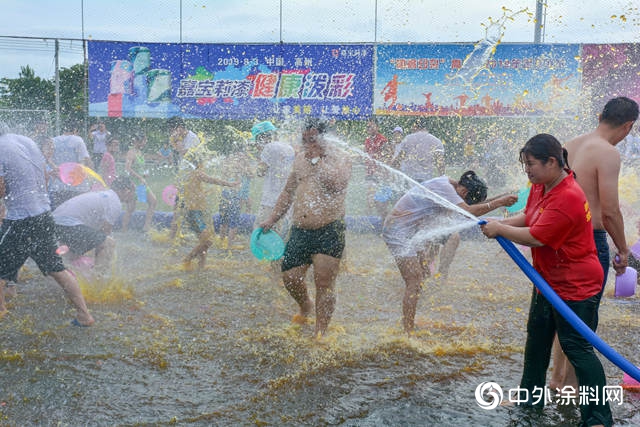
x=80, y=238
x=59, y=197
x=303, y=244
x=32, y=237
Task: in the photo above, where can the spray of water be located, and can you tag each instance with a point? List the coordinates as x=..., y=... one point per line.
x=400, y=180
x=476, y=61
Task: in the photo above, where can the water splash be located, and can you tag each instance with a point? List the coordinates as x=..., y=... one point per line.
x=111, y=290
x=401, y=181
x=476, y=62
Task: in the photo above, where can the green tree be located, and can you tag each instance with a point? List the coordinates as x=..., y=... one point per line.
x=27, y=92
x=72, y=94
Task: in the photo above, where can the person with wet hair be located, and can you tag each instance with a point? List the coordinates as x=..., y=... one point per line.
x=27, y=230
x=406, y=230
x=317, y=189
x=596, y=162
x=557, y=225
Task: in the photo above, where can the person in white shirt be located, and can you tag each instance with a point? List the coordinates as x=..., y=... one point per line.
x=68, y=148
x=407, y=228
x=84, y=223
x=27, y=230
x=420, y=155
x=99, y=135
x=276, y=159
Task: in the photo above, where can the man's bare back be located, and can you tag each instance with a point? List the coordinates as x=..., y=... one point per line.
x=596, y=163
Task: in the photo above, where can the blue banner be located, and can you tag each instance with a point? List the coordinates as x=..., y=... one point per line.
x=253, y=81
x=478, y=80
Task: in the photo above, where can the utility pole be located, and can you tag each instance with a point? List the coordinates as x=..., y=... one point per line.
x=57, y=78
x=538, y=22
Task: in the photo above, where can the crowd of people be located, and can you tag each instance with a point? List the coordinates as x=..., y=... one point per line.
x=572, y=207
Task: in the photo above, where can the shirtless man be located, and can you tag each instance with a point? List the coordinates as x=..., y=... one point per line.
x=596, y=162
x=317, y=188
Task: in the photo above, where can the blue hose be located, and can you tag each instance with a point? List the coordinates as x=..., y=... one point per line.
x=565, y=311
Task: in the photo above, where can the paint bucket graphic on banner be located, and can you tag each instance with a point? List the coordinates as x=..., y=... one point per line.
x=114, y=105
x=140, y=89
x=140, y=57
x=159, y=86
x=121, y=77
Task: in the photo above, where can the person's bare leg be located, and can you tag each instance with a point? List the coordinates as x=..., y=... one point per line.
x=202, y=259
x=104, y=255
x=173, y=227
x=558, y=373
x=325, y=271
x=200, y=251
x=294, y=284
x=412, y=273
x=275, y=269
x=563, y=373
x=128, y=213
x=151, y=208
x=447, y=253
x=570, y=377
x=71, y=288
x=3, y=307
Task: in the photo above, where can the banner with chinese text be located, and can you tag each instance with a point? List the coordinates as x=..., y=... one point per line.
x=251, y=81
x=477, y=80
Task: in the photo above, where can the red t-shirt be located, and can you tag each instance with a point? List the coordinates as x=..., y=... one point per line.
x=561, y=220
x=377, y=148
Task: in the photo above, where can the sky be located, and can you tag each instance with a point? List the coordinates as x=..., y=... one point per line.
x=305, y=21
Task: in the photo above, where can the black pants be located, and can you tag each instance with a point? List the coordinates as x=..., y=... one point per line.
x=544, y=321
x=96, y=158
x=602, y=246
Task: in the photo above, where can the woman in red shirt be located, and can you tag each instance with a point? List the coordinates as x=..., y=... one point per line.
x=556, y=224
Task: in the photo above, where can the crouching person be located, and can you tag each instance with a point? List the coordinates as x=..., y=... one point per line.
x=85, y=222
